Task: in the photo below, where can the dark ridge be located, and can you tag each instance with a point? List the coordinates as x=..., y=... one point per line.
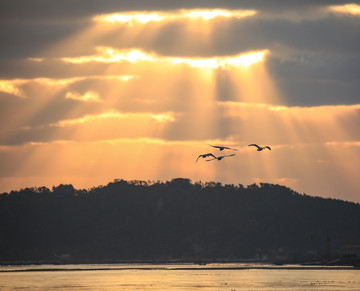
x=177, y=220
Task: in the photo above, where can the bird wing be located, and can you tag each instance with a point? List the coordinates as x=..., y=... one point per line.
x=210, y=160
x=220, y=147
x=230, y=155
x=267, y=147
x=206, y=155
x=230, y=148
x=253, y=144
x=226, y=156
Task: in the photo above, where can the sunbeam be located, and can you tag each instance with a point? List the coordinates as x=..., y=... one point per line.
x=141, y=94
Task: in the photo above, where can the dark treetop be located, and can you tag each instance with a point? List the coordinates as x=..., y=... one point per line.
x=174, y=220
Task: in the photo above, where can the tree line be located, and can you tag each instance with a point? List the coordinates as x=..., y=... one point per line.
x=173, y=220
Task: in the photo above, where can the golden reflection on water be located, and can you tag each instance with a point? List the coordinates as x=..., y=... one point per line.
x=188, y=278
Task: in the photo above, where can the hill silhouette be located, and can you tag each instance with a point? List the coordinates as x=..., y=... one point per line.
x=173, y=220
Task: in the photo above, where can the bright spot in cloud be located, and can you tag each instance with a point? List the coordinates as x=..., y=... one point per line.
x=156, y=16
x=110, y=55
x=350, y=8
x=245, y=59
x=210, y=14
x=141, y=17
x=87, y=97
x=36, y=60
x=12, y=87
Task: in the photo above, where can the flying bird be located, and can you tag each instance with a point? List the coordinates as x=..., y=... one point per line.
x=221, y=148
x=205, y=156
x=220, y=157
x=259, y=148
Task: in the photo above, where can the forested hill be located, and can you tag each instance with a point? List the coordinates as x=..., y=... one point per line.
x=175, y=220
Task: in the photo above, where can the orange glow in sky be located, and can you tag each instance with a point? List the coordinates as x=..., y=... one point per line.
x=139, y=95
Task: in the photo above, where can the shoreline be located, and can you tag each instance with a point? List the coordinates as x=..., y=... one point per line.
x=164, y=266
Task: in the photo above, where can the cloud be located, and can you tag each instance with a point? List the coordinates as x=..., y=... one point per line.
x=142, y=17
x=351, y=8
x=89, y=96
x=90, y=127
x=12, y=87
x=111, y=55
x=308, y=79
x=17, y=87
x=165, y=117
x=274, y=23
x=69, y=10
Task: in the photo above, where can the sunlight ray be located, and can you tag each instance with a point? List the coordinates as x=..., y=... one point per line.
x=300, y=126
x=134, y=108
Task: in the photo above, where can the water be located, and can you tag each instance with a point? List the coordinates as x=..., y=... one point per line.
x=231, y=277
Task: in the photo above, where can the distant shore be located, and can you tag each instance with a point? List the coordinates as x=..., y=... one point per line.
x=42, y=266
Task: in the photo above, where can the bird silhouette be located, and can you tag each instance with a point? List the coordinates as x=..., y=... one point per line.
x=205, y=156
x=221, y=148
x=259, y=148
x=220, y=157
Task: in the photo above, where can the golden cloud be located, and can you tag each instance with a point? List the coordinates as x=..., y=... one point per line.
x=315, y=111
x=160, y=117
x=157, y=16
x=89, y=96
x=14, y=86
x=351, y=8
x=111, y=55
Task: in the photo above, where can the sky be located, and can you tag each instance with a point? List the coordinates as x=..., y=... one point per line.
x=92, y=91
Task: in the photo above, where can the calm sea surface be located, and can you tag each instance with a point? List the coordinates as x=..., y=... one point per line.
x=210, y=277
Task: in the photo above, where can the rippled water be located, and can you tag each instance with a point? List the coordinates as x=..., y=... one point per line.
x=177, y=277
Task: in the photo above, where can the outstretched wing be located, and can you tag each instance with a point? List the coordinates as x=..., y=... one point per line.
x=205, y=156
x=230, y=148
x=230, y=155
x=215, y=146
x=267, y=147
x=254, y=145
x=226, y=156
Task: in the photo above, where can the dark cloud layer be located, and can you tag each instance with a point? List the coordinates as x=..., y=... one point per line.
x=36, y=24
x=75, y=9
x=26, y=10
x=314, y=56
